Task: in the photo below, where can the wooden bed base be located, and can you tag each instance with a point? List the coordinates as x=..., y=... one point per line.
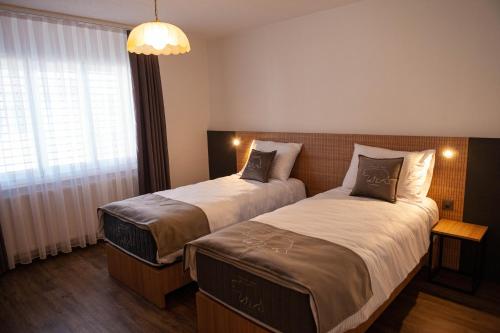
x=150, y=282
x=214, y=317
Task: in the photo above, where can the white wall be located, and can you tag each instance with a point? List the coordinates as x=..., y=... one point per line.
x=186, y=96
x=416, y=67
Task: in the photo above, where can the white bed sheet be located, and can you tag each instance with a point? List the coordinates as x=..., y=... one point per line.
x=390, y=238
x=228, y=200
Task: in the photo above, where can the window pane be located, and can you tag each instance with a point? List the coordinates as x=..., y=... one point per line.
x=17, y=147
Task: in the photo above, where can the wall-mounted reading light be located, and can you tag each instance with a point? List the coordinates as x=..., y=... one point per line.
x=448, y=153
x=236, y=142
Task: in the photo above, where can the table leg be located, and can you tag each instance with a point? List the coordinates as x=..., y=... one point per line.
x=429, y=266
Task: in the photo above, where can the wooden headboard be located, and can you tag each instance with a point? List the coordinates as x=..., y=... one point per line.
x=471, y=178
x=325, y=158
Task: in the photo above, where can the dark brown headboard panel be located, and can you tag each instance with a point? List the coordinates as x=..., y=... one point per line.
x=325, y=158
x=222, y=155
x=482, y=197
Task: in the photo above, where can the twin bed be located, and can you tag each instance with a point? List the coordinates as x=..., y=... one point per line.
x=391, y=240
x=224, y=201
x=146, y=234
x=328, y=263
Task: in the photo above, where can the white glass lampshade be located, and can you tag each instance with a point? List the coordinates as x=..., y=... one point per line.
x=158, y=38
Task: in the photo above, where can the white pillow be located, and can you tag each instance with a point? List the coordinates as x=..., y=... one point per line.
x=430, y=161
x=283, y=162
x=416, y=172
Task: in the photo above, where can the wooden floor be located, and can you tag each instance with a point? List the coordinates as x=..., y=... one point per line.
x=73, y=293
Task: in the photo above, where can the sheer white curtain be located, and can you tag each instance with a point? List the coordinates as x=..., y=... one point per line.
x=67, y=132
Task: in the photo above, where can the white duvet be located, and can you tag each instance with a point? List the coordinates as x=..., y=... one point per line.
x=228, y=200
x=390, y=238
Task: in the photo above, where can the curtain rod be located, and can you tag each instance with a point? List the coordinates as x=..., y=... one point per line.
x=49, y=14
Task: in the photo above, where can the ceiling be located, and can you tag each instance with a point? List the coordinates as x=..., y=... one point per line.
x=209, y=18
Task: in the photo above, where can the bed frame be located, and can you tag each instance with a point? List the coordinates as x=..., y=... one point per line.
x=215, y=317
x=152, y=283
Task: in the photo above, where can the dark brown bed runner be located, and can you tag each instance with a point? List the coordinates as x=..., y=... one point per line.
x=172, y=223
x=335, y=277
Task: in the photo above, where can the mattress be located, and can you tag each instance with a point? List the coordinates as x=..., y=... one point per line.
x=390, y=238
x=272, y=305
x=131, y=239
x=224, y=200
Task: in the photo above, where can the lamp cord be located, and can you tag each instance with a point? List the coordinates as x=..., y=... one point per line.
x=156, y=11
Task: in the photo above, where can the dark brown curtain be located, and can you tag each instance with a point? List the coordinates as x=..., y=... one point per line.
x=4, y=266
x=152, y=153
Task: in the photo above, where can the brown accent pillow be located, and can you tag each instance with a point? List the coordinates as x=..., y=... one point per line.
x=258, y=165
x=378, y=178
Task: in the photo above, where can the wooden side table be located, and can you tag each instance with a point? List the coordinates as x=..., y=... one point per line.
x=464, y=232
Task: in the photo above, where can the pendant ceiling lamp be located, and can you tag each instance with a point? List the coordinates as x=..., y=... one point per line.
x=157, y=38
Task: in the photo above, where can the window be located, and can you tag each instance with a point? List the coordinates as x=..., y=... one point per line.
x=65, y=101
x=67, y=132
